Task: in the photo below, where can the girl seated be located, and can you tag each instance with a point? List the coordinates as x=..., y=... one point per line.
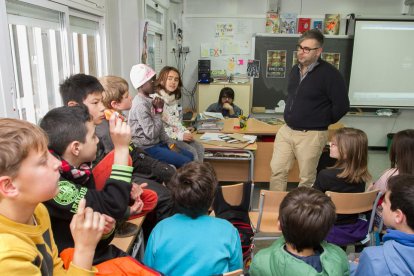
x=191, y=242
x=225, y=104
x=349, y=175
x=168, y=86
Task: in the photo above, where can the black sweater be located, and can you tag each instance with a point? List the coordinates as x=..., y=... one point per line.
x=319, y=100
x=112, y=200
x=327, y=180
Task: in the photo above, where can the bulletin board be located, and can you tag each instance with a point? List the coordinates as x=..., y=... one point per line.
x=277, y=53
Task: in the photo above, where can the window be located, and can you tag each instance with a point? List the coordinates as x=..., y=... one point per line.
x=38, y=54
x=44, y=38
x=86, y=44
x=156, y=42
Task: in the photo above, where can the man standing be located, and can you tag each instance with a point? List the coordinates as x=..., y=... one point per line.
x=317, y=97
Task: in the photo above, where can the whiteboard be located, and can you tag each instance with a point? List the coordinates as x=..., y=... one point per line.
x=382, y=72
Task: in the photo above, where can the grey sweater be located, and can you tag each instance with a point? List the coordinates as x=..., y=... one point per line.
x=146, y=127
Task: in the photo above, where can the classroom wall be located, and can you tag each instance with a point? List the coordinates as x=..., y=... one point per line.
x=122, y=23
x=200, y=18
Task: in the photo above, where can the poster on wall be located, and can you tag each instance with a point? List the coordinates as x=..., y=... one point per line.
x=224, y=30
x=332, y=58
x=294, y=58
x=276, y=64
x=253, y=68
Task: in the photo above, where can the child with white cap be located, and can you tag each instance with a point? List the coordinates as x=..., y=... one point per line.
x=146, y=122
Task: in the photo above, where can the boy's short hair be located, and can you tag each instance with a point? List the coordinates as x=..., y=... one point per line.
x=306, y=216
x=401, y=189
x=193, y=188
x=77, y=87
x=114, y=89
x=17, y=139
x=65, y=124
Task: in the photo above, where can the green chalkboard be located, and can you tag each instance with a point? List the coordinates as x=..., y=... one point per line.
x=271, y=85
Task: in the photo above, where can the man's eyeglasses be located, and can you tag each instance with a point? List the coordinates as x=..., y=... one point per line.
x=306, y=50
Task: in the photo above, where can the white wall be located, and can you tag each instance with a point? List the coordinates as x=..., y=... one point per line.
x=200, y=17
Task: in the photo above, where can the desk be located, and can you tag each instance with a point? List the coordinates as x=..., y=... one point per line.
x=132, y=244
x=238, y=171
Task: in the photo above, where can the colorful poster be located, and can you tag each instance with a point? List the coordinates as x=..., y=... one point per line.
x=276, y=64
x=253, y=68
x=288, y=23
x=332, y=58
x=331, y=24
x=272, y=22
x=224, y=29
x=317, y=24
x=294, y=58
x=304, y=24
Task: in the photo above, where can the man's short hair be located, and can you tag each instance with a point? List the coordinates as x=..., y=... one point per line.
x=64, y=125
x=193, y=188
x=401, y=189
x=77, y=87
x=306, y=216
x=114, y=89
x=17, y=139
x=312, y=34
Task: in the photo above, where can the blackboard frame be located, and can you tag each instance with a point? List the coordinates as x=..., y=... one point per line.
x=267, y=92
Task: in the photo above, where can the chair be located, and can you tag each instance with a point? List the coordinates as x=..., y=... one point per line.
x=237, y=272
x=265, y=220
x=357, y=203
x=233, y=194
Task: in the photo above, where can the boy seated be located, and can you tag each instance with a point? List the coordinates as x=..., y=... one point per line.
x=28, y=176
x=116, y=98
x=192, y=242
x=72, y=140
x=395, y=256
x=81, y=89
x=305, y=217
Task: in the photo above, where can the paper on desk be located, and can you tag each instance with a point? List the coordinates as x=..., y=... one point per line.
x=208, y=136
x=216, y=115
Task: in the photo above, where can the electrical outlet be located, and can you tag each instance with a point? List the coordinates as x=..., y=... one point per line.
x=186, y=50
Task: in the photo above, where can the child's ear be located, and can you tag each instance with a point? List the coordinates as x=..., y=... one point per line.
x=114, y=104
x=399, y=217
x=7, y=187
x=72, y=103
x=74, y=148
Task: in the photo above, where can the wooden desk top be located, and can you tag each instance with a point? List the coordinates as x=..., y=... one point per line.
x=126, y=243
x=254, y=127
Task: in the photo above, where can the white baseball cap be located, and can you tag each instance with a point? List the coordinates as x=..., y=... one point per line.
x=140, y=74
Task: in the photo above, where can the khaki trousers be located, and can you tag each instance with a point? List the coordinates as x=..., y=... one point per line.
x=305, y=146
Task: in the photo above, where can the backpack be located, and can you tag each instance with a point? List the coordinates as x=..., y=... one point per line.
x=237, y=215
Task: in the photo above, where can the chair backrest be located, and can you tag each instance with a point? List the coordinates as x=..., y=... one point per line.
x=233, y=194
x=271, y=200
x=353, y=203
x=237, y=272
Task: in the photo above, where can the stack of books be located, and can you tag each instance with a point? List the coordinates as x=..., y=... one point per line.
x=209, y=122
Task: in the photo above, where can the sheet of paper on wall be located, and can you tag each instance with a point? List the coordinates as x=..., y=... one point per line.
x=216, y=115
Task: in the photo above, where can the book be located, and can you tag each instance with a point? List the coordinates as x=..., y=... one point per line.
x=287, y=23
x=331, y=24
x=304, y=24
x=272, y=22
x=317, y=24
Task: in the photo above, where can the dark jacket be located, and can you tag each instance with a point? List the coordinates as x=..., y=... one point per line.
x=327, y=180
x=317, y=101
x=112, y=200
